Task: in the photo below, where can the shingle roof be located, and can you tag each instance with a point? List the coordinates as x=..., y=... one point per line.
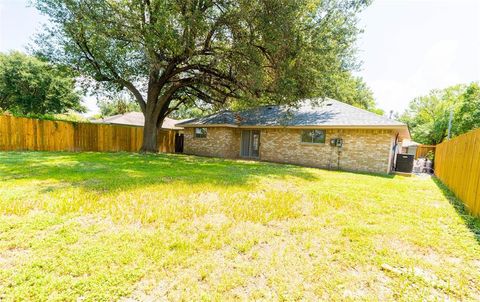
x=327, y=113
x=136, y=119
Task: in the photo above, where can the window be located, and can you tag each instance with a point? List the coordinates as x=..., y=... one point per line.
x=200, y=132
x=313, y=136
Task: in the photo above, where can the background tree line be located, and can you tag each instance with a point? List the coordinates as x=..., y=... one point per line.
x=30, y=86
x=428, y=116
x=191, y=57
x=33, y=87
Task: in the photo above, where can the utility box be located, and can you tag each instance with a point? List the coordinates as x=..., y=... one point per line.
x=404, y=163
x=336, y=142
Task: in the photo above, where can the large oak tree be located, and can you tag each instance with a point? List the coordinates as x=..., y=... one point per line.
x=170, y=52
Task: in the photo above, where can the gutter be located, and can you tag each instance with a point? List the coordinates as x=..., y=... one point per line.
x=295, y=127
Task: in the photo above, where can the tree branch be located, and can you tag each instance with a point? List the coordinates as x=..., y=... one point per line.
x=136, y=93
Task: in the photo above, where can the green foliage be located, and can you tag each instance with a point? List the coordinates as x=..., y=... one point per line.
x=354, y=91
x=116, y=106
x=70, y=116
x=186, y=111
x=430, y=155
x=349, y=89
x=173, y=52
x=428, y=115
x=468, y=116
x=122, y=105
x=31, y=86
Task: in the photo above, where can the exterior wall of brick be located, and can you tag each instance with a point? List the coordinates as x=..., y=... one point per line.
x=220, y=142
x=364, y=150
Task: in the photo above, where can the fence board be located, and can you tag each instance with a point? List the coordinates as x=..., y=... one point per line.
x=19, y=134
x=457, y=165
x=422, y=150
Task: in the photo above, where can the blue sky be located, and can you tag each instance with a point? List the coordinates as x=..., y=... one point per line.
x=408, y=46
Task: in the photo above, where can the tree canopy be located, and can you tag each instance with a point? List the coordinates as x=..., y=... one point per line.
x=31, y=86
x=428, y=116
x=468, y=115
x=354, y=91
x=173, y=52
x=117, y=105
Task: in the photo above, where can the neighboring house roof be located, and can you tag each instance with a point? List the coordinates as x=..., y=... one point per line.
x=136, y=119
x=327, y=113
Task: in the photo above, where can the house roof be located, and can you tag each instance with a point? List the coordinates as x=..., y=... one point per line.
x=136, y=119
x=326, y=113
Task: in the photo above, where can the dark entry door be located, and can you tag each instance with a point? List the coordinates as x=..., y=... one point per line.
x=250, y=146
x=178, y=143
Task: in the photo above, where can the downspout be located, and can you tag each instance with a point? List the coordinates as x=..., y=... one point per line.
x=393, y=165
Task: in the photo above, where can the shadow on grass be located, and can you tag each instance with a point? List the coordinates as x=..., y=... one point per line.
x=473, y=223
x=117, y=171
x=382, y=175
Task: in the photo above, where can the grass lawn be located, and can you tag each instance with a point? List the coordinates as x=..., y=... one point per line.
x=99, y=226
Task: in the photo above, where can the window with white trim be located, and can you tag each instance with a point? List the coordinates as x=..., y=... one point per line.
x=200, y=132
x=313, y=136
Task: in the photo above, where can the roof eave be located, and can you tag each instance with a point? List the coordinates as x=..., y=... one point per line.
x=300, y=127
x=404, y=133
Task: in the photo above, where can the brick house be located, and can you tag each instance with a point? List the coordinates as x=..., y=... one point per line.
x=330, y=134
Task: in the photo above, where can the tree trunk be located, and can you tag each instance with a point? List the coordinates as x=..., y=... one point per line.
x=150, y=131
x=154, y=113
x=149, y=144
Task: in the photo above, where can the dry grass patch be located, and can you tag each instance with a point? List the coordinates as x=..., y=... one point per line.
x=103, y=227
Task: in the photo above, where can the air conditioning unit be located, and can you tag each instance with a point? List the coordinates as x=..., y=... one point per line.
x=404, y=163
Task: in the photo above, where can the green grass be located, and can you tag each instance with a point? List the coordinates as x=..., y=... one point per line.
x=99, y=226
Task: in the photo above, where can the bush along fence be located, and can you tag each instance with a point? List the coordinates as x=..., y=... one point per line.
x=20, y=134
x=424, y=150
x=457, y=165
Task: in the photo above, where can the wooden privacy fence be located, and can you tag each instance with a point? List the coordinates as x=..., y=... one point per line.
x=423, y=150
x=18, y=133
x=457, y=165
